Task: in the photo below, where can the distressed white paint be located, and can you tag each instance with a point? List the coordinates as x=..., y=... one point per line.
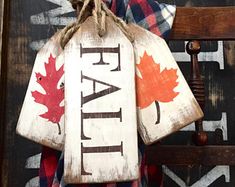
x=217, y=56
x=30, y=124
x=205, y=180
x=212, y=175
x=34, y=182
x=102, y=131
x=174, y=115
x=33, y=162
x=37, y=45
x=54, y=16
x=173, y=176
x=211, y=126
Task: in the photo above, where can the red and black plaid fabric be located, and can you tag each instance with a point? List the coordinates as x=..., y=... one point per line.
x=149, y=14
x=48, y=166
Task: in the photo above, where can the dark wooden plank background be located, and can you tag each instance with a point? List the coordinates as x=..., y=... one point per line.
x=194, y=23
x=1, y=25
x=18, y=59
x=17, y=64
x=1, y=35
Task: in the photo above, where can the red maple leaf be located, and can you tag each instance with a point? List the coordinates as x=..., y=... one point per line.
x=154, y=85
x=54, y=95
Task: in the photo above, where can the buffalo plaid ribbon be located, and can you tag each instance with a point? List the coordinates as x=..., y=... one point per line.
x=158, y=19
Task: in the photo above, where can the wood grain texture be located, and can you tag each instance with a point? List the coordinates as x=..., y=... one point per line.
x=170, y=102
x=18, y=63
x=4, y=29
x=100, y=107
x=1, y=124
x=204, y=23
x=38, y=121
x=191, y=155
x=1, y=27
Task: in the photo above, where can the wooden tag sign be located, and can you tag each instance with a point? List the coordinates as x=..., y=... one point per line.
x=164, y=100
x=100, y=107
x=42, y=114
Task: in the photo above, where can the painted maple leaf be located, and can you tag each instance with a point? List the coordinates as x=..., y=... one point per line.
x=155, y=85
x=53, y=95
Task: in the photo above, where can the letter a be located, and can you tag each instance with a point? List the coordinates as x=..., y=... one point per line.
x=95, y=94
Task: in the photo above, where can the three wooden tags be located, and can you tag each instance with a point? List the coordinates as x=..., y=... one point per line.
x=88, y=93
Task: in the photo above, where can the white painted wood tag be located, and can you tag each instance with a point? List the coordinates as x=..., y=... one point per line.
x=42, y=114
x=164, y=100
x=100, y=107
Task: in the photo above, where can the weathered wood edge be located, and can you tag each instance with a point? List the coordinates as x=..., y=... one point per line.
x=4, y=20
x=204, y=23
x=191, y=155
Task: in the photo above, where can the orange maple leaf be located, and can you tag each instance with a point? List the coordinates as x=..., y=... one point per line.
x=154, y=85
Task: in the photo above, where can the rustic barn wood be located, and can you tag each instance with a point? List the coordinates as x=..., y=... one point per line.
x=100, y=106
x=164, y=100
x=204, y=23
x=42, y=114
x=1, y=27
x=4, y=19
x=1, y=124
x=191, y=155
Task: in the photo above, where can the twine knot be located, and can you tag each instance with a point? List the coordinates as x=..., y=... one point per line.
x=99, y=11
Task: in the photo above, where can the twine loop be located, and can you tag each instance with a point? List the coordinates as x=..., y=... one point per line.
x=99, y=10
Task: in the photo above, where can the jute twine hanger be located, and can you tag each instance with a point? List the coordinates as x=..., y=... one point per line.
x=99, y=11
